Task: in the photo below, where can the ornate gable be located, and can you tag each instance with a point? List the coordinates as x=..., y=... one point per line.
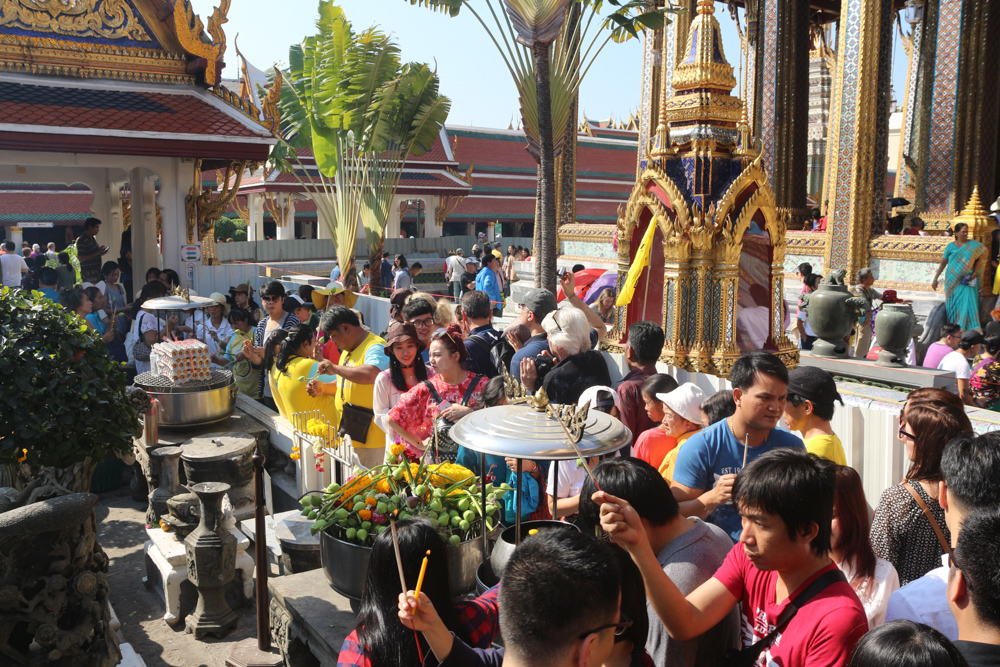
x=156, y=41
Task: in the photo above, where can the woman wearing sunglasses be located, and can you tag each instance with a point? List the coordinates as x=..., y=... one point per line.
x=273, y=295
x=908, y=528
x=452, y=393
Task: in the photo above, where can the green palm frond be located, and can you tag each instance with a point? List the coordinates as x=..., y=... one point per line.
x=537, y=21
x=452, y=7
x=371, y=61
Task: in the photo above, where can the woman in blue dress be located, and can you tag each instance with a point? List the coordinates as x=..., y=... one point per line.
x=963, y=259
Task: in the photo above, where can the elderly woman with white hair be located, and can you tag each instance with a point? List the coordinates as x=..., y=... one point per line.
x=577, y=366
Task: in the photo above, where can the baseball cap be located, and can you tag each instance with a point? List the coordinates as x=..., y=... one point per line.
x=814, y=384
x=459, y=251
x=540, y=301
x=686, y=401
x=972, y=337
x=471, y=260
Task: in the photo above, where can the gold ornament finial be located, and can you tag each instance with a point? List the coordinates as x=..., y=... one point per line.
x=705, y=65
x=975, y=216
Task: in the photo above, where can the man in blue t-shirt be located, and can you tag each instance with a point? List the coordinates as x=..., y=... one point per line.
x=708, y=462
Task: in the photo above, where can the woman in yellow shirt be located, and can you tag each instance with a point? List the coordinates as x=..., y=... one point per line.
x=291, y=371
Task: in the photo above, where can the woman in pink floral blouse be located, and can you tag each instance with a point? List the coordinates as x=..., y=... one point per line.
x=452, y=393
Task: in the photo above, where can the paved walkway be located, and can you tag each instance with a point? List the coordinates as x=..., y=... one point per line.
x=121, y=532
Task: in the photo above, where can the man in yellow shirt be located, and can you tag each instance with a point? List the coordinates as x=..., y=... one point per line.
x=809, y=409
x=363, y=358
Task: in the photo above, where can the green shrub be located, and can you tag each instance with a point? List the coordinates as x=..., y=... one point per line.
x=62, y=398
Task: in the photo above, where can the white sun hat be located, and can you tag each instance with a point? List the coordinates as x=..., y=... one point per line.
x=686, y=401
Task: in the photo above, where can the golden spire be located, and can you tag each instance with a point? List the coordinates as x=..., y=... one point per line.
x=660, y=145
x=705, y=65
x=975, y=216
x=702, y=111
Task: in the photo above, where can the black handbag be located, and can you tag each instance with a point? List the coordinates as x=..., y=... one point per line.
x=447, y=449
x=140, y=350
x=355, y=420
x=747, y=657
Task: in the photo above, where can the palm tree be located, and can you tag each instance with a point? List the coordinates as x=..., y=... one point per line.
x=548, y=94
x=363, y=113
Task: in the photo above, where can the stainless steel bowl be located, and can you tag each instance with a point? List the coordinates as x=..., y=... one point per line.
x=505, y=546
x=191, y=404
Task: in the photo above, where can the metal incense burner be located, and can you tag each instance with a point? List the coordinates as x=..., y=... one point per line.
x=529, y=427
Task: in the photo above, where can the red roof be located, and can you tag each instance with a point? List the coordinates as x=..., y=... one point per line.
x=134, y=111
x=503, y=208
x=44, y=206
x=134, y=119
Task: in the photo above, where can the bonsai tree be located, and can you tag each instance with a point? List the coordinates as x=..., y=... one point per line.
x=64, y=401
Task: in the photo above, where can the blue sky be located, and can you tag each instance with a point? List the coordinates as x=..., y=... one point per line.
x=471, y=71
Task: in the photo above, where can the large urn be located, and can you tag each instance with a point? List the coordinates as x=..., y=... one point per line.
x=211, y=564
x=893, y=332
x=832, y=313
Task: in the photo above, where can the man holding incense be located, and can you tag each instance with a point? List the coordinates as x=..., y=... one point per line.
x=561, y=606
x=709, y=461
x=796, y=606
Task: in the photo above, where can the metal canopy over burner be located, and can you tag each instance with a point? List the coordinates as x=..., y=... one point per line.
x=159, y=384
x=525, y=433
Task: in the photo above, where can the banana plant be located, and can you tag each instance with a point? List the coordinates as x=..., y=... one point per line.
x=363, y=113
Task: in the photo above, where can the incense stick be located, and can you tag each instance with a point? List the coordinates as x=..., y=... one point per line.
x=586, y=467
x=746, y=447
x=399, y=558
x=402, y=578
x=420, y=579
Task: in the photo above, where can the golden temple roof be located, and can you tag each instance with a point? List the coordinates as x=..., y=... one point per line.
x=705, y=65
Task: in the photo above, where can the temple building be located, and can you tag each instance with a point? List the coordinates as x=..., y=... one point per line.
x=125, y=99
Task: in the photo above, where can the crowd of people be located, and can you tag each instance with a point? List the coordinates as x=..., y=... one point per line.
x=760, y=551
x=730, y=531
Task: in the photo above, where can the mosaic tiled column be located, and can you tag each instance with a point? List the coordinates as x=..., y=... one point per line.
x=820, y=87
x=783, y=84
x=859, y=137
x=955, y=142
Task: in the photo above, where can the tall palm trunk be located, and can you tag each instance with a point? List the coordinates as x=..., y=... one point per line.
x=375, y=268
x=545, y=267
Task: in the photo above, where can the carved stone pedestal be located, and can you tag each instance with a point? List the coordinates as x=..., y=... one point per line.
x=169, y=459
x=211, y=564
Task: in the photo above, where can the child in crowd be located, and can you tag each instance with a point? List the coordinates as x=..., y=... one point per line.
x=654, y=447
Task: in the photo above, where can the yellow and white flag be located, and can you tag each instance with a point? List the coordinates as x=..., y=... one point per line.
x=638, y=264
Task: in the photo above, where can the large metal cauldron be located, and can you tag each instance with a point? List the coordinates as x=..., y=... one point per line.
x=346, y=565
x=194, y=403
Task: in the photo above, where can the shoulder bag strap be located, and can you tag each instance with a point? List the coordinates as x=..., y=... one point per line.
x=436, y=396
x=471, y=389
x=484, y=344
x=812, y=590
x=930, y=517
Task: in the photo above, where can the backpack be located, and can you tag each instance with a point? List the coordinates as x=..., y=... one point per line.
x=500, y=353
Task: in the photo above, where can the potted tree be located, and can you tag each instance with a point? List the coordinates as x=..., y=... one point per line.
x=64, y=408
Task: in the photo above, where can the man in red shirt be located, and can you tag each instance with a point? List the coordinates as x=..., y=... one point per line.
x=785, y=497
x=645, y=343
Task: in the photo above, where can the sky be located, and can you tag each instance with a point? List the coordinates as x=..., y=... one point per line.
x=471, y=70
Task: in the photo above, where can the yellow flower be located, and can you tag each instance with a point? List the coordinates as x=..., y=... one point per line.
x=164, y=525
x=355, y=485
x=446, y=474
x=396, y=450
x=382, y=486
x=371, y=500
x=365, y=514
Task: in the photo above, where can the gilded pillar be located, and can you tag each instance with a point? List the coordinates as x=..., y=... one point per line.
x=783, y=118
x=821, y=63
x=676, y=301
x=859, y=138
